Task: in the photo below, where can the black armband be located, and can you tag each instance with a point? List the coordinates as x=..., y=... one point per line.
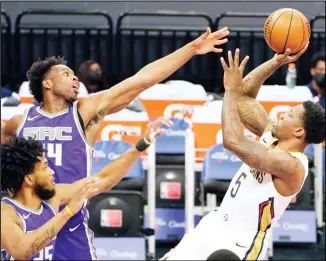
x=142, y=145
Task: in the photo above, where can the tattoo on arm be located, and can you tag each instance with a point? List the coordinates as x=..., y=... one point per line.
x=40, y=242
x=259, y=76
x=252, y=115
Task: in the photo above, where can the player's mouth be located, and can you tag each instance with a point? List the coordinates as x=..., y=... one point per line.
x=75, y=87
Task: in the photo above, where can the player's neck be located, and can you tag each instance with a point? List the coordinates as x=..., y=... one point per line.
x=54, y=104
x=290, y=146
x=28, y=199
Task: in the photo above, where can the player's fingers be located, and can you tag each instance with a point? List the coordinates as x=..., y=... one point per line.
x=217, y=50
x=221, y=33
x=225, y=67
x=236, y=58
x=159, y=132
x=287, y=51
x=207, y=33
x=90, y=192
x=243, y=63
x=161, y=121
x=220, y=42
x=231, y=63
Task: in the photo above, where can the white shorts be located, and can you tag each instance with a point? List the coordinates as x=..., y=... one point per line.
x=209, y=236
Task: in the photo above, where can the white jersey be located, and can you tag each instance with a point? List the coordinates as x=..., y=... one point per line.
x=250, y=207
x=252, y=203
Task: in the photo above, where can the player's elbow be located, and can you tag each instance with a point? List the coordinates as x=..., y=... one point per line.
x=20, y=254
x=230, y=144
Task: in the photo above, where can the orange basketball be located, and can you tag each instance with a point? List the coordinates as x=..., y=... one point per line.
x=287, y=28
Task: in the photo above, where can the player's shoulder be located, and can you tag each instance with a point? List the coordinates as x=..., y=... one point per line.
x=8, y=210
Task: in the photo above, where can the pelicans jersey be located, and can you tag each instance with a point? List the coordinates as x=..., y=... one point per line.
x=32, y=220
x=241, y=224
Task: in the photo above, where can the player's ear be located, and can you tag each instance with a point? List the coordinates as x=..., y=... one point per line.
x=299, y=132
x=47, y=84
x=29, y=180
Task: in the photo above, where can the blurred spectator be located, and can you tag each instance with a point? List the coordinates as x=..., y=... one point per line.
x=5, y=92
x=90, y=74
x=317, y=71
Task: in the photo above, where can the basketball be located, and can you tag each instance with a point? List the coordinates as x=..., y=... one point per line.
x=287, y=28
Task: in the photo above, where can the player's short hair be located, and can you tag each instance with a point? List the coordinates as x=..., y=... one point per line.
x=223, y=254
x=37, y=73
x=18, y=159
x=320, y=56
x=314, y=122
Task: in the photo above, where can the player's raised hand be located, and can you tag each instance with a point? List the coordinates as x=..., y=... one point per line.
x=287, y=58
x=84, y=192
x=206, y=42
x=233, y=74
x=153, y=129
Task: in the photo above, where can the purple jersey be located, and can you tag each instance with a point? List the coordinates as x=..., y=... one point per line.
x=69, y=155
x=32, y=220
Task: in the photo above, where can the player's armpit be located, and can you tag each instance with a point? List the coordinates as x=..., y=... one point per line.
x=275, y=162
x=253, y=116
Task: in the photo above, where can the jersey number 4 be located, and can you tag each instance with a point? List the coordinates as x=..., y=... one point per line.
x=237, y=184
x=54, y=151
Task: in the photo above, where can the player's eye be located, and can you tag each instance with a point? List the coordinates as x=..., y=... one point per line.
x=66, y=74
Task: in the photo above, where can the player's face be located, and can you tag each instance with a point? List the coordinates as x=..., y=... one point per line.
x=44, y=180
x=290, y=124
x=64, y=83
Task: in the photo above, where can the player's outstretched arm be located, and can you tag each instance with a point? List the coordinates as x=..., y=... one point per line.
x=251, y=113
x=278, y=163
x=113, y=172
x=95, y=107
x=256, y=78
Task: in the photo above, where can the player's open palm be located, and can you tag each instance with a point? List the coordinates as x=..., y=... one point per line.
x=84, y=192
x=153, y=129
x=206, y=43
x=233, y=74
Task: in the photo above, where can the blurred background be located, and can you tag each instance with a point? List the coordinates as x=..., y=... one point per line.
x=106, y=42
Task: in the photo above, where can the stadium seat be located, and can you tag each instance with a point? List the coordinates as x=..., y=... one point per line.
x=117, y=213
x=170, y=180
x=107, y=151
x=219, y=167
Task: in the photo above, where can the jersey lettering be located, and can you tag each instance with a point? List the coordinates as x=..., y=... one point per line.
x=45, y=254
x=258, y=175
x=52, y=133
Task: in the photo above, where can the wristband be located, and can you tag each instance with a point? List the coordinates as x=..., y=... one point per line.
x=68, y=210
x=142, y=145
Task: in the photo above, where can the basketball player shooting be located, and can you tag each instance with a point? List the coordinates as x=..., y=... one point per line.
x=274, y=168
x=30, y=219
x=68, y=129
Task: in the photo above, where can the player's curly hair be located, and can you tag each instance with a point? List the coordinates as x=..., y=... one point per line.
x=314, y=122
x=18, y=159
x=37, y=72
